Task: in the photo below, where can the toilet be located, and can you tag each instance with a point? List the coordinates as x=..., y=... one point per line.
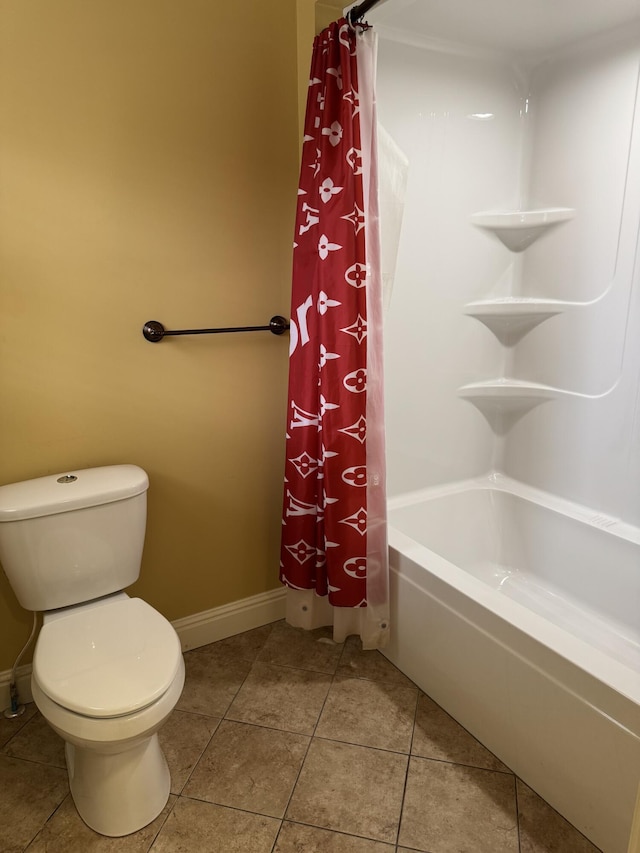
x=107, y=668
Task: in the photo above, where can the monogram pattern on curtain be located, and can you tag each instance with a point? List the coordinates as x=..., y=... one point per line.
x=324, y=538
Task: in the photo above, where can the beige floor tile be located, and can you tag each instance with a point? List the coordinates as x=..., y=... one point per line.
x=370, y=664
x=314, y=650
x=449, y=808
x=30, y=794
x=437, y=735
x=297, y=838
x=351, y=789
x=37, y=741
x=183, y=739
x=66, y=832
x=370, y=713
x=281, y=697
x=249, y=767
x=213, y=677
x=196, y=827
x=246, y=645
x=543, y=830
x=9, y=728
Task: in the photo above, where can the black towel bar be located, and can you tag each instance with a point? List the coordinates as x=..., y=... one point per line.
x=154, y=331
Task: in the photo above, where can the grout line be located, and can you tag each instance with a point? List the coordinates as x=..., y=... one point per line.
x=199, y=759
x=406, y=775
x=515, y=790
x=197, y=714
x=167, y=816
x=462, y=764
x=275, y=840
x=233, y=808
x=44, y=824
x=364, y=745
x=390, y=844
x=218, y=806
x=35, y=761
x=311, y=738
x=298, y=667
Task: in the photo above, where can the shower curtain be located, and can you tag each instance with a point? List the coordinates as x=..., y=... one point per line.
x=334, y=557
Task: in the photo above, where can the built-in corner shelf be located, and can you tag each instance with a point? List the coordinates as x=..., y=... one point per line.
x=509, y=393
x=518, y=229
x=511, y=317
x=503, y=401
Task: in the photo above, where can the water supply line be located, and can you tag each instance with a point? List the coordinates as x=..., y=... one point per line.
x=15, y=708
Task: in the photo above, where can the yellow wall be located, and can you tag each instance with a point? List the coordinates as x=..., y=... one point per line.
x=327, y=11
x=148, y=160
x=312, y=17
x=306, y=30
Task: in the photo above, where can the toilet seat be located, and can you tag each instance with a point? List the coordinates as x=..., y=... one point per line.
x=108, y=660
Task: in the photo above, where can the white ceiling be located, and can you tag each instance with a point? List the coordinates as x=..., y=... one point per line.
x=505, y=25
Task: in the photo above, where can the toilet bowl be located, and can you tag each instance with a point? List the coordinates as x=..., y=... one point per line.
x=106, y=676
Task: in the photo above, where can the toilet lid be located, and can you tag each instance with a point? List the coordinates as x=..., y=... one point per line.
x=108, y=660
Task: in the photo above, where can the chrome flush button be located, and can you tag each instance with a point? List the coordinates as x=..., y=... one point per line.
x=67, y=478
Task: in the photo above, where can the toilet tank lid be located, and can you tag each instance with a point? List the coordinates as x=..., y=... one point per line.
x=71, y=490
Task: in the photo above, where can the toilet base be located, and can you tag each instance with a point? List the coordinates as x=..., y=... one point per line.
x=119, y=793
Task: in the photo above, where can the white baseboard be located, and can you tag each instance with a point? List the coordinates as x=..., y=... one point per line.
x=194, y=631
x=23, y=683
x=221, y=622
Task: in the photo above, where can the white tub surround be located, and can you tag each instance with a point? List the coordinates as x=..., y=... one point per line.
x=519, y=132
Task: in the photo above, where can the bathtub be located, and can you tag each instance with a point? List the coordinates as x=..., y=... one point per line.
x=519, y=613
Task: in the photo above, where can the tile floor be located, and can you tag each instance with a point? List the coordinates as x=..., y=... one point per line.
x=284, y=742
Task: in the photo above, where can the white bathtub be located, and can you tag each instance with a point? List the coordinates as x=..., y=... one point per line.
x=520, y=614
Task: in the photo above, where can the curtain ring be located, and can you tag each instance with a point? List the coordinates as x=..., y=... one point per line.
x=356, y=26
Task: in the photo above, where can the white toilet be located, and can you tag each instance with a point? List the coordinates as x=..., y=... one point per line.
x=107, y=669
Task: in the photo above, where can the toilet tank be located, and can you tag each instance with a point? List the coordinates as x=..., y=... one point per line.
x=72, y=537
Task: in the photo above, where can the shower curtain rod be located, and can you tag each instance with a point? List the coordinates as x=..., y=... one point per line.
x=356, y=12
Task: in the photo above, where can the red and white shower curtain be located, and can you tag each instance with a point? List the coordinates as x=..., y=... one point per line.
x=334, y=545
